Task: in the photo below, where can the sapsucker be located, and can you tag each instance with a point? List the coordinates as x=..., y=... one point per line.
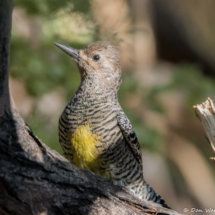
x=94, y=132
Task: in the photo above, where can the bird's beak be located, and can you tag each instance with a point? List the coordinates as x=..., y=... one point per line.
x=69, y=50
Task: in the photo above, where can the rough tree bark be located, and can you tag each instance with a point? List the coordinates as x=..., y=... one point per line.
x=35, y=179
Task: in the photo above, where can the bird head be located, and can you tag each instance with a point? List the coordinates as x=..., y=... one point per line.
x=98, y=63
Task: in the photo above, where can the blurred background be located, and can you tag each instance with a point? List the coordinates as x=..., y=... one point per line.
x=167, y=53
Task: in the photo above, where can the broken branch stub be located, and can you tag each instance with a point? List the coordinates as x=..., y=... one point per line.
x=206, y=114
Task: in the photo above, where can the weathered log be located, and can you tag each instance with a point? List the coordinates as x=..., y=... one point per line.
x=35, y=179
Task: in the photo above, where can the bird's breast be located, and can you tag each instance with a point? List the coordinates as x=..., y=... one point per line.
x=86, y=148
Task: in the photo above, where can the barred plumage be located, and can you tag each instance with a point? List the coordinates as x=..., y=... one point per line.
x=94, y=132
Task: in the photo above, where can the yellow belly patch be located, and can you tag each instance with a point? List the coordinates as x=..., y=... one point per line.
x=85, y=153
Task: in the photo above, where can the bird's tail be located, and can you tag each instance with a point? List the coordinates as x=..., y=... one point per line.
x=151, y=195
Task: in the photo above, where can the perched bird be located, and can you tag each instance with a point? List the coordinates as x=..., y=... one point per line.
x=94, y=132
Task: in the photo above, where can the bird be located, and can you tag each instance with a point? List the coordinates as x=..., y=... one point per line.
x=94, y=132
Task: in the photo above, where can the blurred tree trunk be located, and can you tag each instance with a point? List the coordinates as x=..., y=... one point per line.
x=184, y=31
x=34, y=179
x=6, y=7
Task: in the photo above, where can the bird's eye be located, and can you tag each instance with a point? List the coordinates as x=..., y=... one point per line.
x=96, y=57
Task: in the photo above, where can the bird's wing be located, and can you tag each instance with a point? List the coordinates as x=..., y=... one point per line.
x=129, y=135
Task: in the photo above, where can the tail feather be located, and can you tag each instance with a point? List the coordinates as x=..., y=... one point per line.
x=153, y=196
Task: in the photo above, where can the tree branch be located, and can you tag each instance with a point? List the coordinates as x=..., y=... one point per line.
x=35, y=179
x=206, y=114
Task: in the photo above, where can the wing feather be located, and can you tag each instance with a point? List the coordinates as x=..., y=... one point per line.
x=130, y=135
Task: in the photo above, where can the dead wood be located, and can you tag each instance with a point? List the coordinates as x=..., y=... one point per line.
x=206, y=114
